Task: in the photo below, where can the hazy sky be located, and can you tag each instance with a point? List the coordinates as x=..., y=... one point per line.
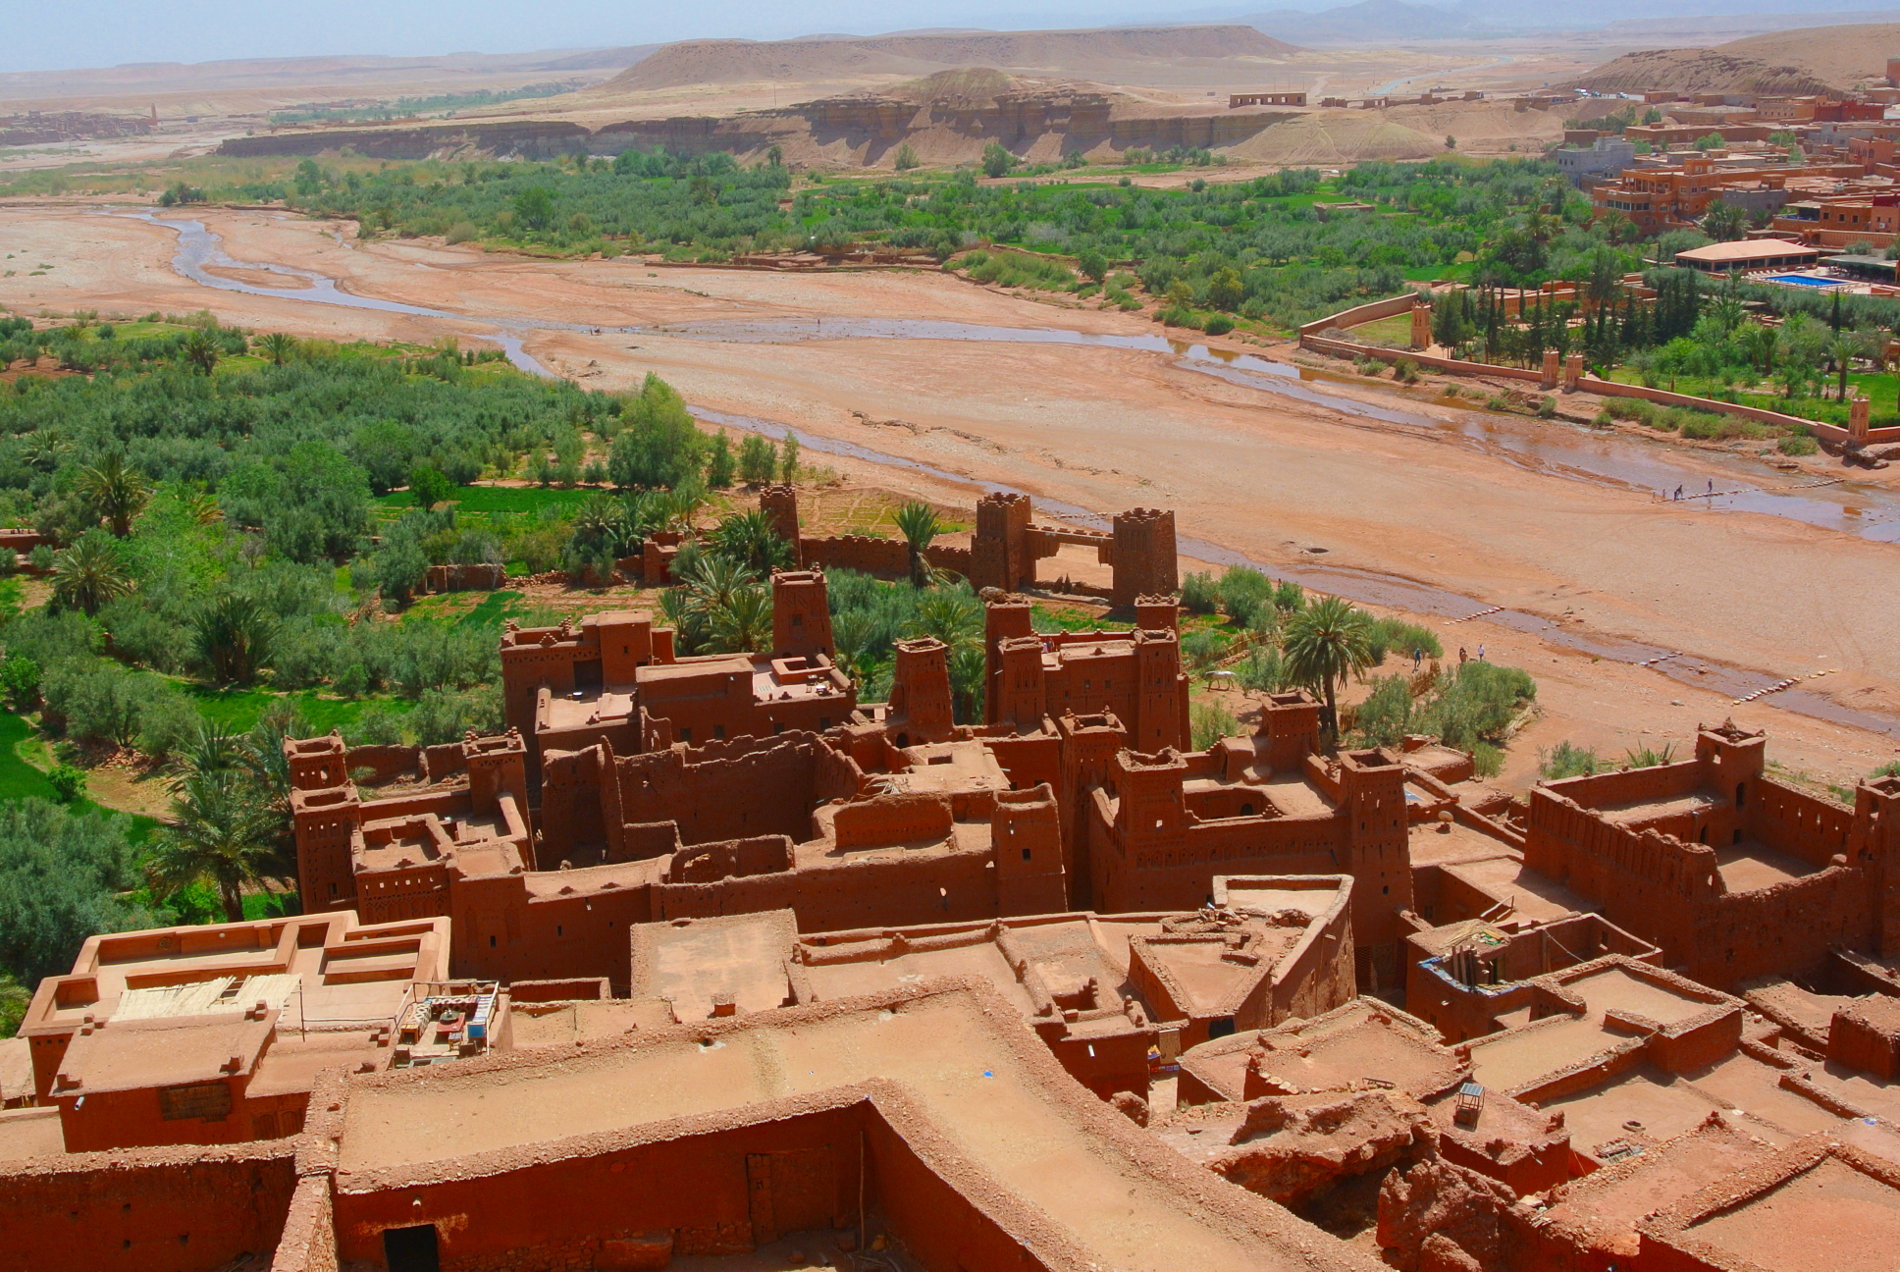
x=60, y=34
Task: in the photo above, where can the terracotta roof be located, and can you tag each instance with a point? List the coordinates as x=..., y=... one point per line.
x=1747, y=250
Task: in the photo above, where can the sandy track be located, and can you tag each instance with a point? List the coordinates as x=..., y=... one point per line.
x=1109, y=429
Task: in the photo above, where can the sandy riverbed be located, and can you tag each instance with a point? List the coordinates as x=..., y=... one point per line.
x=1108, y=429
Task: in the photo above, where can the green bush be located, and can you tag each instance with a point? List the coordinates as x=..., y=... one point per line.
x=1567, y=760
x=1209, y=722
x=68, y=783
x=1476, y=702
x=1385, y=717
x=1200, y=594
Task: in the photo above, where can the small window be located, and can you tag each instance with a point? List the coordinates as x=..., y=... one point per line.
x=686, y=735
x=719, y=730
x=1025, y=854
x=491, y=942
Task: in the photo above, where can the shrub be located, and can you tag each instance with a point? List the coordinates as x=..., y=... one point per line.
x=1385, y=717
x=1405, y=371
x=1487, y=760
x=1546, y=407
x=1797, y=444
x=1244, y=591
x=1218, y=325
x=1209, y=722
x=1392, y=635
x=1203, y=649
x=1476, y=702
x=1567, y=760
x=68, y=783
x=1200, y=594
x=1264, y=670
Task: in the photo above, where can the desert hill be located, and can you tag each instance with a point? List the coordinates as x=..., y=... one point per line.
x=1689, y=71
x=1837, y=54
x=1067, y=52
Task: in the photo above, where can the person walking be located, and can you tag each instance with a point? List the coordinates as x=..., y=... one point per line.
x=1418, y=656
x=1463, y=657
x=1481, y=653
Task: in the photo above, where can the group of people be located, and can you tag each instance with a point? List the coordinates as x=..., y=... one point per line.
x=1671, y=498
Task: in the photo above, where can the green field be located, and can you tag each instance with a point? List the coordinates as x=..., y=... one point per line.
x=238, y=710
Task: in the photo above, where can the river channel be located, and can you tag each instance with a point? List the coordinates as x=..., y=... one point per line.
x=1559, y=450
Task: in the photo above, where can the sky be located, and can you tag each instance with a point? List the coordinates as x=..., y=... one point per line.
x=65, y=34
x=46, y=35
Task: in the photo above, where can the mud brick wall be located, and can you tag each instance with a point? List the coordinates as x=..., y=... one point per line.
x=942, y=1227
x=1778, y=931
x=784, y=779
x=1796, y=822
x=711, y=1192
x=309, y=1240
x=148, y=1210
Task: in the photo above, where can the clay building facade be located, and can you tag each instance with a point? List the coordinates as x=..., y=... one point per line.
x=213, y=1035
x=1731, y=871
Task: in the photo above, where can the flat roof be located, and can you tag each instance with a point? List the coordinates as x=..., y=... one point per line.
x=981, y=1087
x=692, y=962
x=134, y=1054
x=1747, y=250
x=1827, y=1218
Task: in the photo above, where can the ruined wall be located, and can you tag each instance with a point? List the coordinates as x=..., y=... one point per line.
x=146, y=1210
x=1778, y=931
x=783, y=779
x=1175, y=871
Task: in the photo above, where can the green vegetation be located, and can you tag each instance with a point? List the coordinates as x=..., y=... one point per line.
x=236, y=561
x=1779, y=348
x=406, y=107
x=1568, y=760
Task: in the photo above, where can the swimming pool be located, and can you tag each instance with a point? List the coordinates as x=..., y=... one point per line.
x=1804, y=280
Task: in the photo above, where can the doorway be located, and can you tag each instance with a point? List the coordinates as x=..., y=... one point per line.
x=411, y=1249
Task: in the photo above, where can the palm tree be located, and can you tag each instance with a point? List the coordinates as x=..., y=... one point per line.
x=201, y=351
x=851, y=635
x=713, y=580
x=917, y=522
x=278, y=347
x=220, y=834
x=968, y=669
x=952, y=614
x=1326, y=642
x=233, y=636
x=116, y=491
x=90, y=573
x=743, y=621
x=749, y=537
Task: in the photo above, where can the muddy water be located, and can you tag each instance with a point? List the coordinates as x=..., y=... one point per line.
x=1558, y=450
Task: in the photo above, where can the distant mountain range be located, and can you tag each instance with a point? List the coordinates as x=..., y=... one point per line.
x=1369, y=22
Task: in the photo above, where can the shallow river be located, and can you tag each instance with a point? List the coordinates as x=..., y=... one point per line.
x=1559, y=450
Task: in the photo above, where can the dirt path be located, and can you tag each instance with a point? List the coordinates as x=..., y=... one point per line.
x=1106, y=429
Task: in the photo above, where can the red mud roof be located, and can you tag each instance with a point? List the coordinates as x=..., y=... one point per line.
x=1816, y=1206
x=947, y=1065
x=130, y=1055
